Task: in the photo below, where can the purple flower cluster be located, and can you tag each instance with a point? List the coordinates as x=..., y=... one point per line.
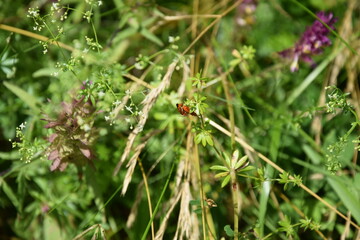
x=311, y=43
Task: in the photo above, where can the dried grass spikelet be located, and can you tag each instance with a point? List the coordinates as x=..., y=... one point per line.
x=139, y=191
x=173, y=202
x=148, y=103
x=188, y=224
x=131, y=166
x=180, y=172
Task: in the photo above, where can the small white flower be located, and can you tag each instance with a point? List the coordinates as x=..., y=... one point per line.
x=128, y=108
x=55, y=6
x=128, y=92
x=22, y=125
x=107, y=118
x=171, y=39
x=101, y=94
x=139, y=66
x=86, y=127
x=127, y=120
x=100, y=3
x=117, y=102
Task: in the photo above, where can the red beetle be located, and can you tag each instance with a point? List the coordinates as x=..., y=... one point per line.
x=184, y=110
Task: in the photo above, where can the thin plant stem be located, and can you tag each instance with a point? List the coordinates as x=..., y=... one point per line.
x=148, y=196
x=197, y=162
x=36, y=36
x=235, y=198
x=159, y=201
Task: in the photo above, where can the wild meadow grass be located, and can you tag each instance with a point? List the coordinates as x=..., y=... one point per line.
x=179, y=119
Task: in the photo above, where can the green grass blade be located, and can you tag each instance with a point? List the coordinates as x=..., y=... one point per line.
x=158, y=203
x=311, y=77
x=347, y=197
x=28, y=99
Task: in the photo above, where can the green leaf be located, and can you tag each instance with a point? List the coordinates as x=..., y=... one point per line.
x=221, y=175
x=234, y=158
x=286, y=226
x=198, y=211
x=227, y=159
x=195, y=202
x=312, y=154
x=219, y=167
x=347, y=197
x=225, y=181
x=245, y=169
x=229, y=232
x=241, y=162
x=9, y=193
x=149, y=35
x=203, y=141
x=44, y=72
x=209, y=140
x=28, y=99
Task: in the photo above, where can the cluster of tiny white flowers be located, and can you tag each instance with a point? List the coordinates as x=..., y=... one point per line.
x=336, y=100
x=94, y=3
x=117, y=102
x=64, y=16
x=173, y=40
x=55, y=7
x=129, y=108
x=141, y=62
x=45, y=46
x=111, y=117
x=91, y=43
x=25, y=149
x=101, y=94
x=87, y=15
x=33, y=13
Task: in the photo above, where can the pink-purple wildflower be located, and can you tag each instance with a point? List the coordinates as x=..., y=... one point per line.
x=246, y=12
x=311, y=43
x=71, y=141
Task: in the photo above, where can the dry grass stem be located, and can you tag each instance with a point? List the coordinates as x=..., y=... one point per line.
x=173, y=202
x=148, y=102
x=131, y=166
x=138, y=80
x=185, y=223
x=36, y=36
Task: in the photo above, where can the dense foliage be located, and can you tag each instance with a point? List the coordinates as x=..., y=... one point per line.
x=179, y=119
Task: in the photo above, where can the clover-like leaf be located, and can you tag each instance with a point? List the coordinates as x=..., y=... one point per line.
x=229, y=232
